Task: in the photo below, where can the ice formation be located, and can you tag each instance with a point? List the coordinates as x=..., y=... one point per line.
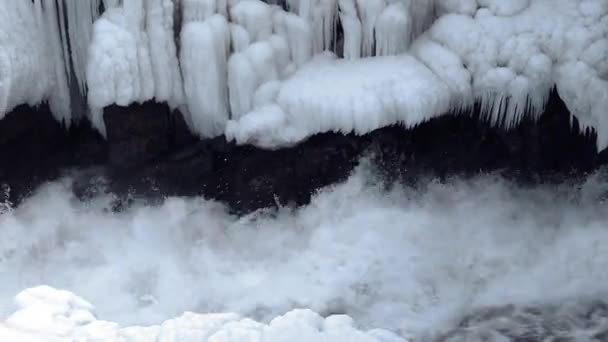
x=240, y=66
x=375, y=91
x=51, y=315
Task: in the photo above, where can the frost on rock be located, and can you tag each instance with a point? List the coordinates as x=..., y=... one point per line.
x=47, y=314
x=225, y=62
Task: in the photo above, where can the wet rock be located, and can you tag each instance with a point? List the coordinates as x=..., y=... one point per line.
x=149, y=153
x=35, y=148
x=140, y=133
x=32, y=146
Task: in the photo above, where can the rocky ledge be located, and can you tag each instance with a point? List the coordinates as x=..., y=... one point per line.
x=150, y=153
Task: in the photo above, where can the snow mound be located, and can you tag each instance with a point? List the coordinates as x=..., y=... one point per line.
x=347, y=96
x=47, y=314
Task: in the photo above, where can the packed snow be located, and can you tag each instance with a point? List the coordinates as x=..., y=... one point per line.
x=240, y=66
x=383, y=257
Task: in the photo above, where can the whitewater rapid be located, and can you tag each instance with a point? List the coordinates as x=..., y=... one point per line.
x=412, y=260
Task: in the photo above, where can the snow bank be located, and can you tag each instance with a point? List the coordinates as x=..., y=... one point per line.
x=50, y=315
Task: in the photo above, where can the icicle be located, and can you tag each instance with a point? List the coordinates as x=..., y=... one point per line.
x=60, y=98
x=392, y=30
x=352, y=29
x=369, y=10
x=134, y=11
x=328, y=11
x=26, y=66
x=80, y=16
x=293, y=5
x=256, y=17
x=203, y=59
x=240, y=37
x=64, y=39
x=422, y=13
x=5, y=82
x=242, y=82
x=163, y=52
x=198, y=10
x=299, y=37
x=322, y=15
x=107, y=4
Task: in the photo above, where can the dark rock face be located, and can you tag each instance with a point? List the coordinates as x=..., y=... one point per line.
x=246, y=177
x=35, y=148
x=464, y=144
x=150, y=153
x=141, y=133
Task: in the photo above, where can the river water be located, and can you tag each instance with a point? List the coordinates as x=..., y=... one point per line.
x=491, y=259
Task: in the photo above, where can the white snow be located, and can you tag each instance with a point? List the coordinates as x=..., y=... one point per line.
x=506, y=55
x=47, y=314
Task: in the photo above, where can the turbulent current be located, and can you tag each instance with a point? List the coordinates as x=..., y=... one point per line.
x=460, y=260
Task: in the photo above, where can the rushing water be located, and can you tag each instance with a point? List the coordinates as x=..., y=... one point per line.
x=477, y=254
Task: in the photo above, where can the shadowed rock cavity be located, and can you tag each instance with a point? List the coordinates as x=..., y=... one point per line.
x=150, y=153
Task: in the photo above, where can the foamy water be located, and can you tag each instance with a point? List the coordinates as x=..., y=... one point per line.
x=414, y=261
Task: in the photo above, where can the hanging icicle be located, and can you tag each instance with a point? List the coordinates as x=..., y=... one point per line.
x=80, y=18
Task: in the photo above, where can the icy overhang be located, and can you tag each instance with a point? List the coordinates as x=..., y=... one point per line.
x=268, y=76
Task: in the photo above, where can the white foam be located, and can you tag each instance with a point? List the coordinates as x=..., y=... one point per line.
x=411, y=261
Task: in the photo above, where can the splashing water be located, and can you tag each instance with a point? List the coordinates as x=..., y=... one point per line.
x=416, y=261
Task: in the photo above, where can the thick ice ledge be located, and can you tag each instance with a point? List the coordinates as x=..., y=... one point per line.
x=268, y=74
